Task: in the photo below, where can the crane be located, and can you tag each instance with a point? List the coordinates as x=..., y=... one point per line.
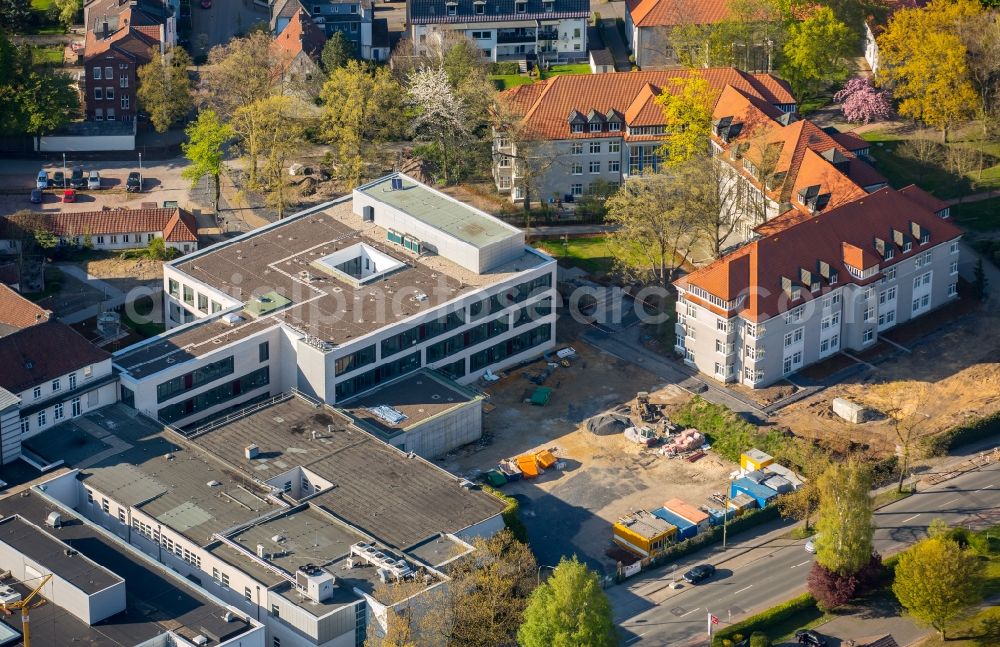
x=25, y=605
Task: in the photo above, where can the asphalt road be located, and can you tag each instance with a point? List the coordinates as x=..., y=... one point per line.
x=765, y=572
x=225, y=19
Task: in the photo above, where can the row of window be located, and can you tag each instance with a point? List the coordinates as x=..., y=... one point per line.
x=378, y=375
x=595, y=127
x=56, y=384
x=108, y=72
x=510, y=347
x=576, y=190
x=614, y=166
x=194, y=379
x=105, y=94
x=212, y=397
x=187, y=294
x=520, y=6
x=58, y=413
x=419, y=333
x=576, y=148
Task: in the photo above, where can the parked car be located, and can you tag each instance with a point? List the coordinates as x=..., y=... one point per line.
x=206, y=4
x=69, y=195
x=811, y=544
x=58, y=180
x=94, y=180
x=76, y=178
x=42, y=181
x=134, y=182
x=36, y=196
x=699, y=573
x=810, y=637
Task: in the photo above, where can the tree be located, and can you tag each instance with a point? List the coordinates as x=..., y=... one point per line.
x=924, y=153
x=242, y=71
x=654, y=229
x=164, y=90
x=441, y=115
x=938, y=581
x=569, y=609
x=206, y=137
x=687, y=114
x=861, y=102
x=844, y=527
x=280, y=136
x=530, y=156
x=817, y=53
x=923, y=61
x=337, y=51
x=361, y=111
x=715, y=197
x=33, y=100
x=14, y=14
x=979, y=281
x=69, y=11
x=832, y=589
x=980, y=33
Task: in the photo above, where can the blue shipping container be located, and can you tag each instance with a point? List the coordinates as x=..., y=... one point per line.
x=759, y=493
x=685, y=529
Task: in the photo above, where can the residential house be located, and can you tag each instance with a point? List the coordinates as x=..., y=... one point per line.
x=120, y=36
x=112, y=229
x=576, y=129
x=298, y=48
x=543, y=31
x=51, y=369
x=650, y=23
x=875, y=25
x=355, y=19
x=830, y=282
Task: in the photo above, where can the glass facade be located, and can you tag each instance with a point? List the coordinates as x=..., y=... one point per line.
x=422, y=332
x=510, y=347
x=218, y=395
x=376, y=376
x=355, y=360
x=203, y=375
x=468, y=338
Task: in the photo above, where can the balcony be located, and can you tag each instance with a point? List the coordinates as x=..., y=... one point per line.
x=515, y=36
x=548, y=34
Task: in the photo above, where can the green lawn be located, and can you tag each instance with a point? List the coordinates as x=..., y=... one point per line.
x=41, y=5
x=590, y=254
x=47, y=55
x=981, y=216
x=575, y=68
x=507, y=81
x=936, y=177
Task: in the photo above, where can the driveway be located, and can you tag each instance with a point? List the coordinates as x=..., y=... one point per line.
x=226, y=18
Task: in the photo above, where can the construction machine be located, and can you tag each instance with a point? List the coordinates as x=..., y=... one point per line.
x=25, y=604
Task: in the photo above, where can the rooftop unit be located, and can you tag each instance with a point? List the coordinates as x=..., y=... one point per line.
x=314, y=582
x=389, y=565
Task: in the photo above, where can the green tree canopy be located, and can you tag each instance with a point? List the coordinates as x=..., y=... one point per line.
x=844, y=526
x=206, y=137
x=817, y=53
x=937, y=581
x=337, y=51
x=14, y=14
x=568, y=610
x=687, y=112
x=33, y=100
x=165, y=88
x=70, y=11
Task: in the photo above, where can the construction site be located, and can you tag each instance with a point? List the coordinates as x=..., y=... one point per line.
x=597, y=473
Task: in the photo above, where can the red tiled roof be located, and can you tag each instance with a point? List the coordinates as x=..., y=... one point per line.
x=923, y=198
x=668, y=13
x=42, y=352
x=546, y=105
x=844, y=234
x=300, y=35
x=10, y=274
x=175, y=224
x=851, y=141
x=18, y=312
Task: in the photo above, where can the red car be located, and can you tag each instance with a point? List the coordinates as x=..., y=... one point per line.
x=206, y=4
x=69, y=195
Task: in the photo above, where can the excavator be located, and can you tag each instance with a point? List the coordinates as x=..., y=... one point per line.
x=25, y=605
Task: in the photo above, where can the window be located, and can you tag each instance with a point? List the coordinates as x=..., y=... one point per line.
x=794, y=316
x=188, y=291
x=889, y=253
x=576, y=128
x=925, y=238
x=109, y=93
x=520, y=7
x=125, y=102
x=504, y=162
x=40, y=419
x=595, y=167
x=452, y=9
x=576, y=190
x=615, y=166
x=869, y=292
x=577, y=168
x=614, y=147
x=105, y=506
x=173, y=288
x=869, y=313
x=196, y=378
x=504, y=182
x=953, y=247
x=614, y=126
x=907, y=246
x=952, y=289
x=277, y=614
x=111, y=117
x=788, y=339
x=55, y=385
x=953, y=267
x=97, y=74
x=109, y=73
x=57, y=411
x=887, y=295
x=576, y=148
x=886, y=318
x=275, y=641
x=595, y=148
x=99, y=93
x=202, y=302
x=74, y=407
x=99, y=116
x=121, y=515
x=889, y=275
x=248, y=594
x=595, y=127
x=868, y=336
x=72, y=381
x=264, y=351
x=122, y=81
x=215, y=396
x=36, y=392
x=480, y=9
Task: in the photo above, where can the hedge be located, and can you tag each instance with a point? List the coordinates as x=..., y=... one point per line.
x=964, y=434
x=504, y=67
x=511, y=514
x=764, y=619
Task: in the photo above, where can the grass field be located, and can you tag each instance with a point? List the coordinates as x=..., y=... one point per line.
x=47, y=55
x=575, y=68
x=592, y=255
x=507, y=81
x=980, y=216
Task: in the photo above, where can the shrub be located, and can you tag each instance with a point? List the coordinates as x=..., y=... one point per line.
x=830, y=589
x=729, y=434
x=511, y=514
x=964, y=434
x=504, y=67
x=791, y=609
x=759, y=639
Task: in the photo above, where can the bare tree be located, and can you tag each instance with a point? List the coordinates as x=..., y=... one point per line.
x=714, y=195
x=530, y=157
x=902, y=403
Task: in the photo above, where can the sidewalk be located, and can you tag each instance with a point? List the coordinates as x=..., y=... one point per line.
x=114, y=296
x=974, y=197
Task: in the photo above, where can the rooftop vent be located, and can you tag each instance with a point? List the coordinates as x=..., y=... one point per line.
x=260, y=551
x=54, y=520
x=200, y=640
x=396, y=183
x=251, y=451
x=232, y=319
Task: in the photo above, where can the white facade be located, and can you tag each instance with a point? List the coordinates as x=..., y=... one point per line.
x=511, y=40
x=67, y=396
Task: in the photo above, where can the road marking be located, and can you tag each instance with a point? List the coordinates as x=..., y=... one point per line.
x=985, y=487
x=689, y=612
x=802, y=564
x=952, y=501
x=910, y=518
x=742, y=590
x=634, y=638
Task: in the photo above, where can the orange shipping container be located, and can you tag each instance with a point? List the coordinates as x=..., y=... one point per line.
x=546, y=459
x=528, y=465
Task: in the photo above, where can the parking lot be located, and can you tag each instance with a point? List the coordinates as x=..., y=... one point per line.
x=570, y=510
x=225, y=19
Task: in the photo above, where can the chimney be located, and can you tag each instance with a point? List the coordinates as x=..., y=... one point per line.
x=104, y=29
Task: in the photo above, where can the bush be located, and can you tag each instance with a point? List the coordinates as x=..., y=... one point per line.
x=832, y=590
x=729, y=434
x=511, y=514
x=504, y=67
x=964, y=434
x=784, y=611
x=759, y=639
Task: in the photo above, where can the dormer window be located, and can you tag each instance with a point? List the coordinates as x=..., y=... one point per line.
x=520, y=7
x=480, y=7
x=576, y=128
x=452, y=8
x=614, y=126
x=925, y=238
x=548, y=5
x=907, y=246
x=595, y=127
x=889, y=253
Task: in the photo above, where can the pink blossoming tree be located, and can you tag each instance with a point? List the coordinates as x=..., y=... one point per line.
x=861, y=102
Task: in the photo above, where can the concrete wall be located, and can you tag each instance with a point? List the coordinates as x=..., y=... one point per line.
x=441, y=434
x=76, y=144
x=10, y=434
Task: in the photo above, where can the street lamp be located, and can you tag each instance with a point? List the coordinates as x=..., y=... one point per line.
x=140, y=169
x=538, y=575
x=64, y=170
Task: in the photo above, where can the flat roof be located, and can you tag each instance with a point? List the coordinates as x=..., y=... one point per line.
x=155, y=602
x=438, y=550
x=397, y=499
x=646, y=524
x=145, y=466
x=417, y=396
x=440, y=211
x=36, y=544
x=279, y=259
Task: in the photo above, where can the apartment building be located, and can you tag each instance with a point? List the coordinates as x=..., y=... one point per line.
x=49, y=371
x=538, y=31
x=649, y=25
x=830, y=282
x=110, y=229
x=119, y=37
x=270, y=512
x=340, y=299
x=355, y=19
x=581, y=128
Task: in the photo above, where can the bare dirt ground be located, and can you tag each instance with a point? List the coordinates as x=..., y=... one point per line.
x=604, y=477
x=141, y=270
x=950, y=376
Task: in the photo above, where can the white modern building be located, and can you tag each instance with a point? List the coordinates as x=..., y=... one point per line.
x=340, y=299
